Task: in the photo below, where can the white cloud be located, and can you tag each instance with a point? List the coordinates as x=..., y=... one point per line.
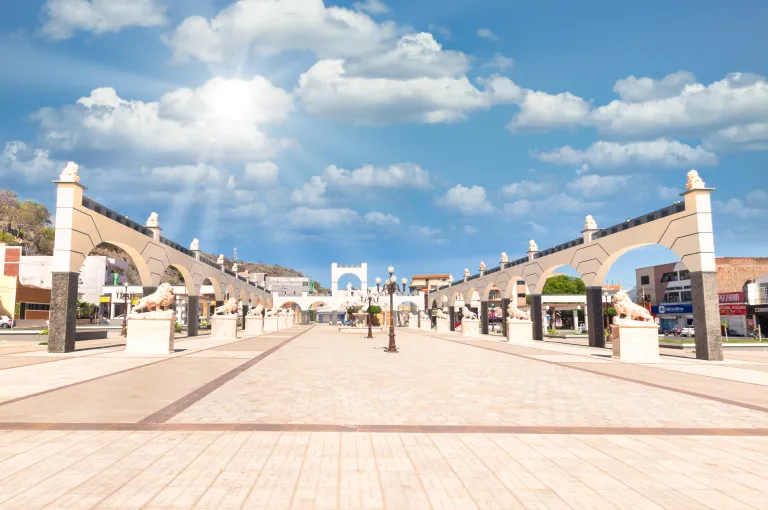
x=743, y=137
x=582, y=169
x=32, y=164
x=536, y=228
x=394, y=176
x=539, y=110
x=372, y=6
x=425, y=233
x=499, y=62
x=311, y=193
x=382, y=219
x=321, y=218
x=444, y=31
x=667, y=193
x=264, y=173
x=63, y=17
x=414, y=56
x=662, y=152
x=592, y=185
x=525, y=188
x=635, y=90
x=221, y=119
x=469, y=229
x=327, y=91
x=189, y=174
x=558, y=202
x=468, y=201
x=486, y=33
x=272, y=27
x=754, y=206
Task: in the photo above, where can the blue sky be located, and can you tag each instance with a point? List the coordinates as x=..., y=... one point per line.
x=426, y=135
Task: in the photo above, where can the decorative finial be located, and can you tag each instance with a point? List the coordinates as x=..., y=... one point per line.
x=482, y=266
x=220, y=260
x=532, y=246
x=466, y=272
x=694, y=181
x=195, y=246
x=590, y=223
x=504, y=257
x=234, y=267
x=153, y=220
x=69, y=174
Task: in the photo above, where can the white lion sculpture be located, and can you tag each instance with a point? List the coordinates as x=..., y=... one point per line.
x=256, y=311
x=624, y=306
x=153, y=220
x=590, y=223
x=504, y=257
x=466, y=314
x=423, y=316
x=441, y=314
x=228, y=308
x=269, y=312
x=515, y=313
x=69, y=174
x=694, y=180
x=195, y=246
x=532, y=246
x=163, y=297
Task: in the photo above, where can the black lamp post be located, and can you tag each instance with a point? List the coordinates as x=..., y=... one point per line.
x=392, y=290
x=124, y=332
x=371, y=300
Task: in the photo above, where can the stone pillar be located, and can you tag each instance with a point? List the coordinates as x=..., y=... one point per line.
x=245, y=312
x=334, y=315
x=112, y=308
x=63, y=315
x=146, y=291
x=706, y=315
x=304, y=317
x=193, y=304
x=504, y=315
x=452, y=317
x=576, y=319
x=536, y=317
x=484, y=317
x=595, y=313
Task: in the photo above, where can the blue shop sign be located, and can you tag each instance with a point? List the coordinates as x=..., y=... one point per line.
x=667, y=309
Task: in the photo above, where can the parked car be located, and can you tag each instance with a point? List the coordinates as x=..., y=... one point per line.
x=7, y=322
x=687, y=332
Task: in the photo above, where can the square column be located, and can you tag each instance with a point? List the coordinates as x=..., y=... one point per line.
x=595, y=313
x=193, y=303
x=504, y=316
x=536, y=318
x=575, y=319
x=706, y=315
x=484, y=317
x=63, y=316
x=452, y=317
x=245, y=312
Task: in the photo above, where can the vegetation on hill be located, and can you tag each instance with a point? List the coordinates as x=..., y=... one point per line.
x=28, y=224
x=564, y=284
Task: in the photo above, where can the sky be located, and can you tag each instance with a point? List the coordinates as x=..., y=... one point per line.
x=425, y=135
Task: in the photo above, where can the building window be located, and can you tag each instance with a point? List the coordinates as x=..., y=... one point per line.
x=521, y=295
x=521, y=282
x=668, y=277
x=645, y=280
x=685, y=296
x=671, y=297
x=36, y=306
x=685, y=274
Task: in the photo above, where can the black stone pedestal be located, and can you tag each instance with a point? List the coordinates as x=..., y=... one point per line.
x=484, y=317
x=452, y=317
x=193, y=302
x=504, y=315
x=536, y=317
x=63, y=316
x=706, y=316
x=595, y=314
x=245, y=313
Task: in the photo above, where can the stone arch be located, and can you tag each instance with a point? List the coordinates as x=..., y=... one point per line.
x=360, y=271
x=230, y=291
x=217, y=293
x=291, y=304
x=551, y=271
x=141, y=264
x=252, y=300
x=444, y=301
x=434, y=304
x=189, y=282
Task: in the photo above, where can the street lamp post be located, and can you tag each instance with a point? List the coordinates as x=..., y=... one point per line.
x=392, y=289
x=124, y=331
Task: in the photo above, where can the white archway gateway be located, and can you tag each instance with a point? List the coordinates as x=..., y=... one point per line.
x=684, y=227
x=82, y=224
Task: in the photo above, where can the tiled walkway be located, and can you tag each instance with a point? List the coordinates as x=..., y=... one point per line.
x=310, y=418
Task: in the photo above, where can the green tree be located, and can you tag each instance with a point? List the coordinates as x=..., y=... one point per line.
x=564, y=284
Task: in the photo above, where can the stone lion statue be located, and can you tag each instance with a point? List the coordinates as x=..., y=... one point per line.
x=482, y=266
x=515, y=313
x=624, y=306
x=195, y=246
x=228, y=308
x=269, y=312
x=441, y=314
x=69, y=174
x=466, y=314
x=590, y=223
x=153, y=220
x=694, y=181
x=220, y=260
x=256, y=311
x=466, y=272
x=532, y=246
x=504, y=257
x=161, y=298
x=423, y=316
x=234, y=267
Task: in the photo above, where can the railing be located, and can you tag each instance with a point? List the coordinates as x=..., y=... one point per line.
x=209, y=262
x=559, y=247
x=494, y=270
x=349, y=266
x=230, y=273
x=176, y=246
x=640, y=220
x=112, y=215
x=517, y=262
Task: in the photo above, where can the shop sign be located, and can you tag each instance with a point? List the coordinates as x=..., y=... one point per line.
x=758, y=309
x=671, y=309
x=730, y=297
x=105, y=299
x=733, y=309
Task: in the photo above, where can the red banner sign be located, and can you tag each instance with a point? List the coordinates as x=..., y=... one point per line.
x=731, y=297
x=733, y=309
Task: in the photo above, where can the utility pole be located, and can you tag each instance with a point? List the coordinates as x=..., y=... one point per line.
x=235, y=255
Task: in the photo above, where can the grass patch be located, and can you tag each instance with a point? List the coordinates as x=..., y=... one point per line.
x=729, y=341
x=43, y=343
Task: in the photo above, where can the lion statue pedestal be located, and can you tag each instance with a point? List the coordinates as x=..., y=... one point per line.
x=425, y=323
x=224, y=320
x=635, y=341
x=442, y=325
x=413, y=321
x=151, y=333
x=270, y=324
x=254, y=325
x=470, y=327
x=519, y=331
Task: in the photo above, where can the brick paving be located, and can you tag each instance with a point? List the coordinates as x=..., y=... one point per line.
x=310, y=418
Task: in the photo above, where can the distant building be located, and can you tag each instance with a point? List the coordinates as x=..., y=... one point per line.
x=419, y=282
x=287, y=285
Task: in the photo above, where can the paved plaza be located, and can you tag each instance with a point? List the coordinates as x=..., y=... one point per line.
x=311, y=418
